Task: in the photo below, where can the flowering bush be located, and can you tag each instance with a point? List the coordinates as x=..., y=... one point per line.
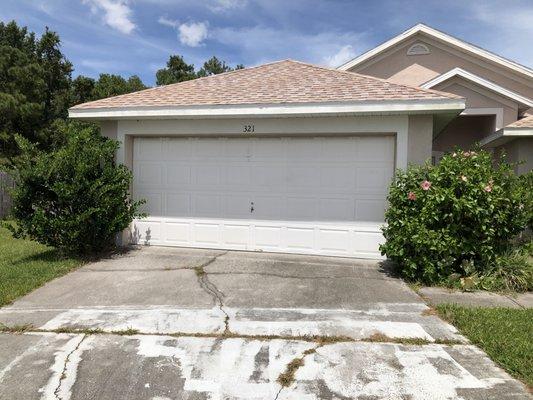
x=454, y=218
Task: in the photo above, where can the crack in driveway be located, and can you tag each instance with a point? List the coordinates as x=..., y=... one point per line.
x=63, y=375
x=211, y=289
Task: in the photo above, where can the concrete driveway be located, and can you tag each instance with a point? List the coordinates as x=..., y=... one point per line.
x=162, y=323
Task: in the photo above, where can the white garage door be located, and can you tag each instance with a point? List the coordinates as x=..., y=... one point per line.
x=298, y=195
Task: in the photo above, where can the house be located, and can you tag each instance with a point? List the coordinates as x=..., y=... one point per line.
x=498, y=92
x=283, y=157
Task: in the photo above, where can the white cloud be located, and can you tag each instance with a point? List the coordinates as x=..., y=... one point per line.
x=193, y=33
x=168, y=22
x=190, y=34
x=218, y=6
x=116, y=14
x=345, y=53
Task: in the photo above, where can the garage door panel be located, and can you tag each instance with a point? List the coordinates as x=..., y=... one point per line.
x=375, y=148
x=269, y=207
x=149, y=174
x=180, y=150
x=267, y=149
x=237, y=206
x=338, y=150
x=148, y=149
x=269, y=176
x=206, y=205
x=336, y=209
x=238, y=175
x=338, y=178
x=206, y=176
x=299, y=195
x=178, y=205
x=370, y=210
x=208, y=148
x=177, y=175
x=373, y=179
x=302, y=176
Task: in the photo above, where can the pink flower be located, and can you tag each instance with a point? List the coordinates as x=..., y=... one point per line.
x=466, y=153
x=464, y=178
x=425, y=185
x=488, y=188
x=411, y=196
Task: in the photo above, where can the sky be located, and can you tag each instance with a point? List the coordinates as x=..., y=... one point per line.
x=136, y=37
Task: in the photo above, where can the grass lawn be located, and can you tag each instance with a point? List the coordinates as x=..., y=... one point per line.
x=505, y=334
x=26, y=265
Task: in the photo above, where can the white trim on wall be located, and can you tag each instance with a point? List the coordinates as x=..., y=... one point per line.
x=421, y=28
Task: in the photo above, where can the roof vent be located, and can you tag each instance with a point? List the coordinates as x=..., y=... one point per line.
x=418, y=49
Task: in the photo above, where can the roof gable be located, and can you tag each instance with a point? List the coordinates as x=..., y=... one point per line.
x=422, y=29
x=469, y=76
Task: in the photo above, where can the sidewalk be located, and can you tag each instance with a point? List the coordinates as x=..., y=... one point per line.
x=435, y=296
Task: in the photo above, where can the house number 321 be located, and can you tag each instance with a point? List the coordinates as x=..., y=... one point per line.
x=248, y=128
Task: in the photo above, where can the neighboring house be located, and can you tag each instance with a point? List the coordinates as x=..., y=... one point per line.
x=284, y=157
x=498, y=91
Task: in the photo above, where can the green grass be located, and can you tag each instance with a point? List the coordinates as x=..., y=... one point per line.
x=26, y=265
x=505, y=334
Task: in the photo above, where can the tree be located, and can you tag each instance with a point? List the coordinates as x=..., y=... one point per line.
x=34, y=83
x=113, y=85
x=82, y=90
x=214, y=66
x=177, y=70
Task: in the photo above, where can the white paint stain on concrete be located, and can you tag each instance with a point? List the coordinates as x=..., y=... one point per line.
x=143, y=320
x=384, y=371
x=65, y=368
x=229, y=369
x=394, y=320
x=225, y=368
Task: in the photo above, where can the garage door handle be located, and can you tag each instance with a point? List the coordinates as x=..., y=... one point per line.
x=252, y=207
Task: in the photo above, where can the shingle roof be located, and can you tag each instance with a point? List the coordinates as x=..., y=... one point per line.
x=526, y=122
x=279, y=82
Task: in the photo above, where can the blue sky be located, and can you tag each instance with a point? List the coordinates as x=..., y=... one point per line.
x=129, y=37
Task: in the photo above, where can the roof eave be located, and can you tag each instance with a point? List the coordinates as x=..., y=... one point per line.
x=506, y=135
x=274, y=110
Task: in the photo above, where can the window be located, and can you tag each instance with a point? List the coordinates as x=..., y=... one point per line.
x=418, y=49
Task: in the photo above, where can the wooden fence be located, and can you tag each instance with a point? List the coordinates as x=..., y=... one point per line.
x=6, y=183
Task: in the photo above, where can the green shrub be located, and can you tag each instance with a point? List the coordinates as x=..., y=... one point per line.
x=454, y=218
x=74, y=198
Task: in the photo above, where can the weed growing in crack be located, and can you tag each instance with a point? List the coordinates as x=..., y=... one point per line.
x=126, y=332
x=286, y=378
x=16, y=328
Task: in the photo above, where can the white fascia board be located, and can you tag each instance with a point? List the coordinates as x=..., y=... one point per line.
x=444, y=38
x=505, y=135
x=469, y=76
x=275, y=110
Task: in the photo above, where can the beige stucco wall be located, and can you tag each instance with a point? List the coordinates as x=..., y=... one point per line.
x=109, y=129
x=478, y=97
x=396, y=65
x=463, y=132
x=517, y=150
x=420, y=137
